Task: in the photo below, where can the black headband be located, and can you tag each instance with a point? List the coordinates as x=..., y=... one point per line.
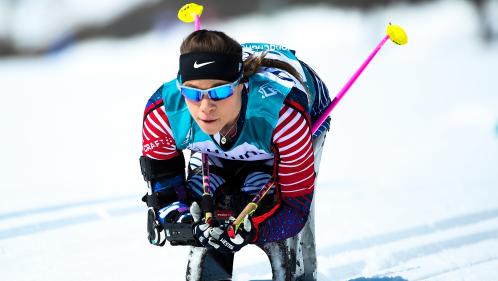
x=202, y=65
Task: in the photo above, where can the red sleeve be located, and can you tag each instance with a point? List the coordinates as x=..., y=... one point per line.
x=157, y=138
x=295, y=161
x=294, y=175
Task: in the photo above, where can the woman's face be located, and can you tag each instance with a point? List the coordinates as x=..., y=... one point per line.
x=213, y=116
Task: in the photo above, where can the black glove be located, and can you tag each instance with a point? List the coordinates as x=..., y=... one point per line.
x=221, y=236
x=200, y=228
x=217, y=237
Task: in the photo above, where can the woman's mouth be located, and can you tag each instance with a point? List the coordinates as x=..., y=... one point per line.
x=208, y=121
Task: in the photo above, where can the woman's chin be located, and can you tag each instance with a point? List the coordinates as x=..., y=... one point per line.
x=210, y=128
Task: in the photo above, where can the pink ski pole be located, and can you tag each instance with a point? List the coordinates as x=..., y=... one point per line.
x=197, y=22
x=397, y=35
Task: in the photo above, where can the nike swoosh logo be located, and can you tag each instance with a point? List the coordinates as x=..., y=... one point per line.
x=196, y=65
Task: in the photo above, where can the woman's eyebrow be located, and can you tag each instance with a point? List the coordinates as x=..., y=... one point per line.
x=212, y=86
x=219, y=84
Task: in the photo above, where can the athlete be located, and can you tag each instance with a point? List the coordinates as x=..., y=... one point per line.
x=249, y=110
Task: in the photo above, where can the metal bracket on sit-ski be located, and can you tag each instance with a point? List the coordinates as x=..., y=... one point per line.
x=179, y=234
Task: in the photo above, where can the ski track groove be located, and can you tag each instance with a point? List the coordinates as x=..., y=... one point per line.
x=399, y=257
x=382, y=239
x=432, y=275
x=355, y=269
x=48, y=209
x=91, y=216
x=342, y=272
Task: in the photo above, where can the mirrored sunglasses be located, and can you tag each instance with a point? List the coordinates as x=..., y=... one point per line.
x=216, y=93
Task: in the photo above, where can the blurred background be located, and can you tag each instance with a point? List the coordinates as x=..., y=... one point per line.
x=408, y=184
x=33, y=28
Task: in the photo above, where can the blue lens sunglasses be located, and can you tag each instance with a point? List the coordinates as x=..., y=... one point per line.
x=216, y=93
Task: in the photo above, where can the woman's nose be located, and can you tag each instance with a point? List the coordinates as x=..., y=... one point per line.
x=207, y=105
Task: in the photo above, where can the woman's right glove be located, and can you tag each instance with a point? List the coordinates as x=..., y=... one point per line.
x=216, y=237
x=202, y=230
x=229, y=242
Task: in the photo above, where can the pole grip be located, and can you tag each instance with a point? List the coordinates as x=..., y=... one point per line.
x=251, y=207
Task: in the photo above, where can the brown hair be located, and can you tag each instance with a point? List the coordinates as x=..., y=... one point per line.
x=218, y=42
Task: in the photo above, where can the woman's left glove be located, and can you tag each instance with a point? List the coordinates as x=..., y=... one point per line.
x=220, y=236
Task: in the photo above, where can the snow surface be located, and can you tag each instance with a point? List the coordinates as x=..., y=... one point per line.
x=408, y=184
